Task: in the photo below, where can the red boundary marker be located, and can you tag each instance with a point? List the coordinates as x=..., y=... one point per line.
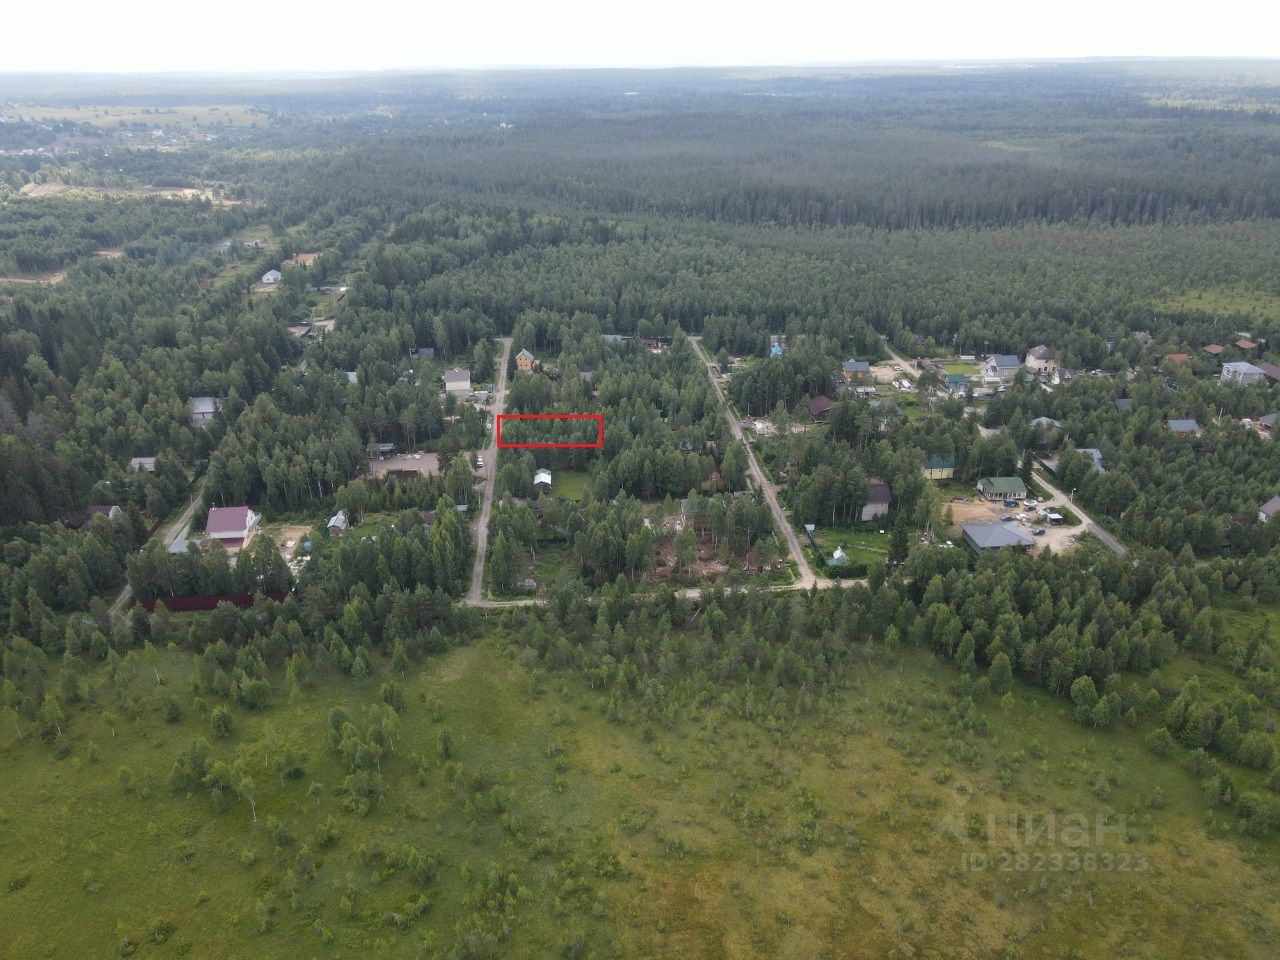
x=597, y=417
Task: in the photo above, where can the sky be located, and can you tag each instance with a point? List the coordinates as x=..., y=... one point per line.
x=328, y=36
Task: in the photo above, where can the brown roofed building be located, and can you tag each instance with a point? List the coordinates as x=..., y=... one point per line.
x=1178, y=358
x=1246, y=344
x=819, y=407
x=1213, y=349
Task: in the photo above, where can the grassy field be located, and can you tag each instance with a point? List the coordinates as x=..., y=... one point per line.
x=874, y=830
x=1226, y=300
x=569, y=484
x=968, y=369
x=185, y=117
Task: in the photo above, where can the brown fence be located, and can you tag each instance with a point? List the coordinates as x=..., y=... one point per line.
x=207, y=602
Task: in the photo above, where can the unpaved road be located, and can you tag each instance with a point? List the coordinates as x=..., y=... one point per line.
x=475, y=595
x=805, y=578
x=168, y=536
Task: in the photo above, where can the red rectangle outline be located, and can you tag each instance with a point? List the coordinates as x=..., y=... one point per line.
x=597, y=417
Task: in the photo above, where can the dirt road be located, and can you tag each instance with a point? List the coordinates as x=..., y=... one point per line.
x=1090, y=526
x=475, y=595
x=168, y=535
x=804, y=573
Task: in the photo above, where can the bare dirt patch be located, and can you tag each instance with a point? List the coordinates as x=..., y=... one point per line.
x=884, y=372
x=44, y=189
x=111, y=253
x=37, y=279
x=425, y=464
x=1057, y=539
x=301, y=260
x=288, y=538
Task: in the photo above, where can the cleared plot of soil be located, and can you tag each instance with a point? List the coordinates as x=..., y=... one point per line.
x=38, y=190
x=1057, y=539
x=287, y=537
x=37, y=279
x=425, y=464
x=113, y=253
x=301, y=260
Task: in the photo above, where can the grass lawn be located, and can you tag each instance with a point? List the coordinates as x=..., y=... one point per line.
x=863, y=544
x=954, y=488
x=968, y=369
x=569, y=484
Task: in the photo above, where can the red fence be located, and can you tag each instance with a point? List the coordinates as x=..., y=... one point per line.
x=208, y=602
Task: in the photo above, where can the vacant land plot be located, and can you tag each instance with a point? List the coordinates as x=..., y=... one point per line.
x=569, y=484
x=180, y=117
x=1226, y=300
x=36, y=279
x=287, y=537
x=696, y=837
x=425, y=464
x=1055, y=538
x=301, y=260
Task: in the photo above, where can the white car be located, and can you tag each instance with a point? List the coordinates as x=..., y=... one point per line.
x=479, y=463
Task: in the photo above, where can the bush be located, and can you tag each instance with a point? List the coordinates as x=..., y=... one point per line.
x=1160, y=742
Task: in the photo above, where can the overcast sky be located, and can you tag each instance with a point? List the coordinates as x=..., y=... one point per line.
x=144, y=35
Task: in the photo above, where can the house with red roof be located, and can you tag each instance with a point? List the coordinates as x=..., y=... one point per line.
x=233, y=527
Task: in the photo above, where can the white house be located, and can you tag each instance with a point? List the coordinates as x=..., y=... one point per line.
x=1042, y=360
x=1269, y=509
x=542, y=481
x=271, y=277
x=338, y=523
x=457, y=382
x=1001, y=366
x=1241, y=373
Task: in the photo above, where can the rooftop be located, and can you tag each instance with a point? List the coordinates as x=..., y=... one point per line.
x=227, y=520
x=991, y=536
x=1240, y=366
x=1003, y=484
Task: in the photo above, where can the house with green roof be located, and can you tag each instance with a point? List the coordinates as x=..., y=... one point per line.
x=1002, y=488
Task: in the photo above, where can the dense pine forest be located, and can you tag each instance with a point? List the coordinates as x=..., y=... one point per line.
x=297, y=661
